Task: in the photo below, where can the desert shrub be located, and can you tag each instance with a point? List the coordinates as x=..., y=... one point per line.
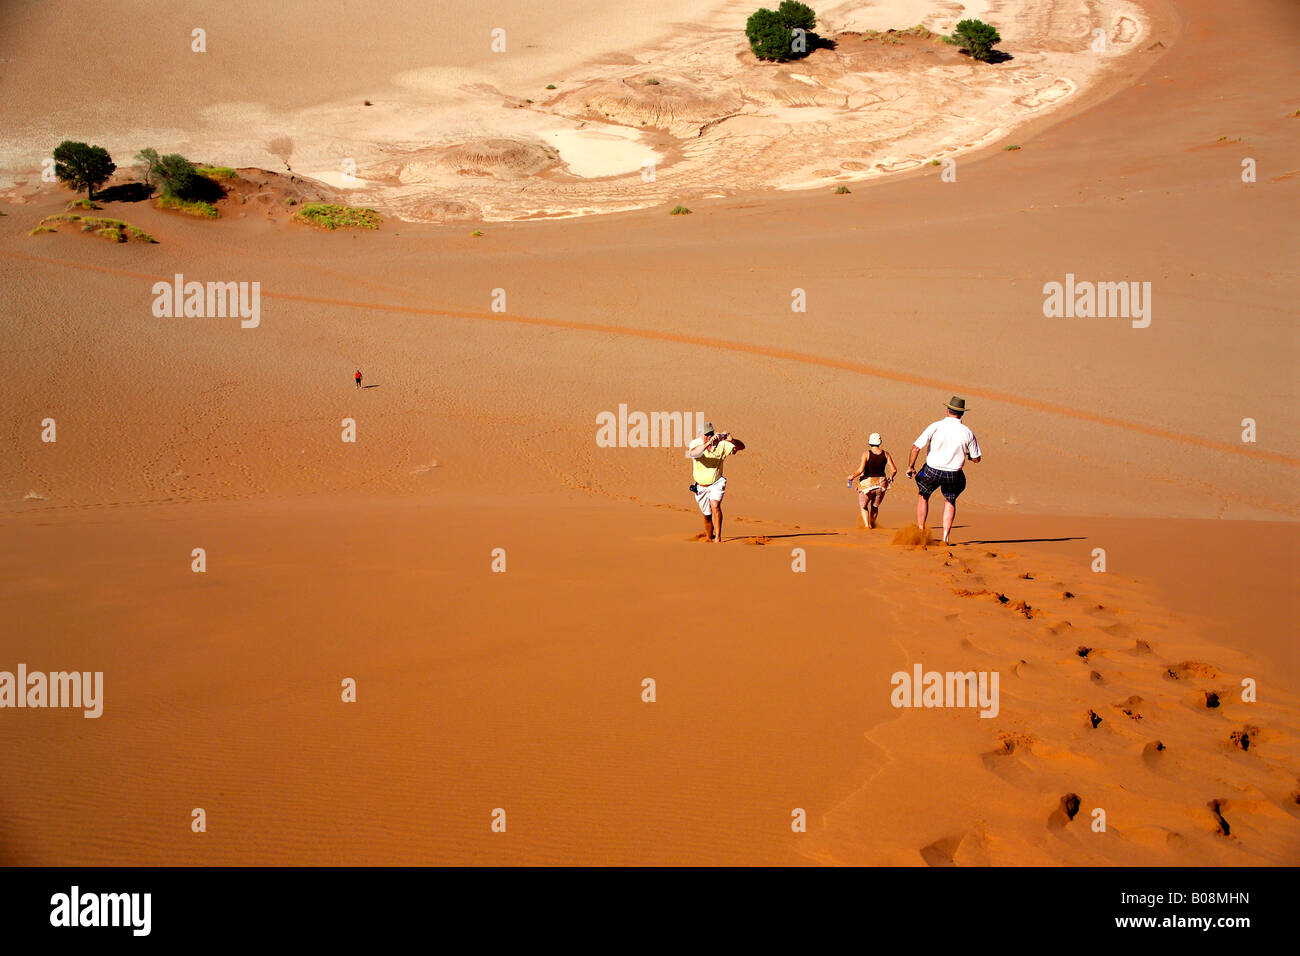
x=182, y=185
x=113, y=229
x=191, y=207
x=679, y=211
x=333, y=216
x=771, y=32
x=976, y=38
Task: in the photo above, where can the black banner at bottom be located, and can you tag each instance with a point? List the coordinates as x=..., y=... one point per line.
x=113, y=906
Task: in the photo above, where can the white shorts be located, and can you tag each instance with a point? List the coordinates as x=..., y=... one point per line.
x=709, y=493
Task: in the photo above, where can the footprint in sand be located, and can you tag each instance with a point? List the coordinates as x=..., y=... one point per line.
x=1216, y=808
x=1002, y=761
x=1244, y=738
x=1191, y=669
x=941, y=852
x=1065, y=811
x=1131, y=707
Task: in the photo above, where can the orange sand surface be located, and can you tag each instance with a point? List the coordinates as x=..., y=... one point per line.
x=522, y=690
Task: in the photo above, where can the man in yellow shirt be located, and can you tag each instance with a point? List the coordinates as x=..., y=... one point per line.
x=709, y=450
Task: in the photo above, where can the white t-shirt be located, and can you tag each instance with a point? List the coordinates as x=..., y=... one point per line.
x=950, y=442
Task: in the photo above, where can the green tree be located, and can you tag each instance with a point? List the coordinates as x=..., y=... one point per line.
x=771, y=32
x=148, y=158
x=797, y=15
x=82, y=166
x=976, y=38
x=176, y=176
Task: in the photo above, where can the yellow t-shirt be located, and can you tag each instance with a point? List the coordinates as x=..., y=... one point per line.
x=708, y=467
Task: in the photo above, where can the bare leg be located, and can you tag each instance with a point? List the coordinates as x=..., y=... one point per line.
x=717, y=513
x=708, y=527
x=866, y=517
x=949, y=513
x=922, y=511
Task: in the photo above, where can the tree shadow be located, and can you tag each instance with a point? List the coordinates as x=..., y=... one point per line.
x=125, y=192
x=203, y=189
x=818, y=42
x=995, y=56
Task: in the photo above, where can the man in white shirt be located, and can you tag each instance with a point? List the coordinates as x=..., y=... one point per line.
x=952, y=444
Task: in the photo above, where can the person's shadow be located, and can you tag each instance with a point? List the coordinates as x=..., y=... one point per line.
x=369, y=386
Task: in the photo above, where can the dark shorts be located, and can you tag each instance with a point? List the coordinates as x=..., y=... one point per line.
x=951, y=483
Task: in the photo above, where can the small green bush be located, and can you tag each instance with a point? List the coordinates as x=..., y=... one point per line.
x=113, y=229
x=332, y=216
x=841, y=190
x=216, y=172
x=976, y=38
x=192, y=207
x=679, y=211
x=82, y=204
x=771, y=32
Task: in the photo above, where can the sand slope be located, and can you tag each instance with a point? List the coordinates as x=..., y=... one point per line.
x=522, y=690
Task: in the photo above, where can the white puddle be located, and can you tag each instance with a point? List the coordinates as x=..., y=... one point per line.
x=608, y=151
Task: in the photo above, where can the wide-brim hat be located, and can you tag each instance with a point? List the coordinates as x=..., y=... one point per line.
x=957, y=404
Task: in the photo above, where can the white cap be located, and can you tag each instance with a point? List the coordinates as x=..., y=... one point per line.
x=874, y=439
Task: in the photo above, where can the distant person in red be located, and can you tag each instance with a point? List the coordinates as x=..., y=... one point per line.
x=358, y=378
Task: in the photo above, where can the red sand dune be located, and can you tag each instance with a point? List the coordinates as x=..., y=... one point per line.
x=523, y=690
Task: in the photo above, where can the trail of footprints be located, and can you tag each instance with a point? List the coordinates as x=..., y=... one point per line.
x=1129, y=688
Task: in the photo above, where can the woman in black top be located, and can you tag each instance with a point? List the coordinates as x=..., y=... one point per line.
x=874, y=476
